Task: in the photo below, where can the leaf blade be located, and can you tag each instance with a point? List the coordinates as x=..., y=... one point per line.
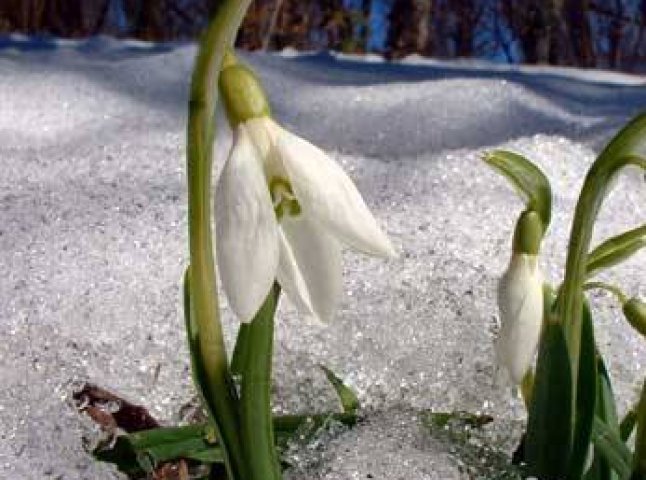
x=529, y=181
x=616, y=250
x=347, y=397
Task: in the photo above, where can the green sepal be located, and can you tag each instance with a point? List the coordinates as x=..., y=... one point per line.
x=529, y=181
x=616, y=249
x=635, y=312
x=548, y=441
x=528, y=233
x=608, y=443
x=347, y=397
x=242, y=93
x=586, y=397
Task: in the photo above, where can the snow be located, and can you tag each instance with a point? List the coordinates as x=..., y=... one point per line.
x=93, y=242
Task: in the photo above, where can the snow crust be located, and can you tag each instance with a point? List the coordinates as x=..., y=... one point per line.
x=93, y=242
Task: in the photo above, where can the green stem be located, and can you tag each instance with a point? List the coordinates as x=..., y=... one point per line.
x=619, y=153
x=217, y=388
x=255, y=394
x=610, y=288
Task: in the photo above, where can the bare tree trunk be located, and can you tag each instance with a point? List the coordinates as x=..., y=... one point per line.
x=272, y=25
x=467, y=15
x=423, y=12
x=530, y=20
x=634, y=58
x=576, y=15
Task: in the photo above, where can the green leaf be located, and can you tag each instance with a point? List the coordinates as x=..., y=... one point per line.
x=121, y=454
x=628, y=424
x=607, y=412
x=347, y=397
x=639, y=458
x=138, y=453
x=587, y=385
x=616, y=249
x=240, y=350
x=529, y=181
x=549, y=426
x=256, y=422
x=192, y=336
x=609, y=444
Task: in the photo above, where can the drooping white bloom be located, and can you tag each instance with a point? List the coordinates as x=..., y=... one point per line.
x=520, y=300
x=283, y=208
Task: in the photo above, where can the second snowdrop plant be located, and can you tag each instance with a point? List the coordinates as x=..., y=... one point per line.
x=573, y=428
x=283, y=210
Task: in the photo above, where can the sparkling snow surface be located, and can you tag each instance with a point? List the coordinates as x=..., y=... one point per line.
x=93, y=243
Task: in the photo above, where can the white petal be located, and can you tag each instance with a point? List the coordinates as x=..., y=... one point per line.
x=520, y=299
x=315, y=268
x=290, y=278
x=247, y=232
x=327, y=195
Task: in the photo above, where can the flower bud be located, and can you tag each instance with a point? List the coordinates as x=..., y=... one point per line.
x=635, y=312
x=520, y=300
x=242, y=93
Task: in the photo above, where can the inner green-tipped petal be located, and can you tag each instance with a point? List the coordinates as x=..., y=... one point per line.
x=283, y=198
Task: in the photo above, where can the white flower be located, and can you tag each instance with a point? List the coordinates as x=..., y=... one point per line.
x=520, y=299
x=283, y=208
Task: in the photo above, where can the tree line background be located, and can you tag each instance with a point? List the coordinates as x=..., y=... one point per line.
x=585, y=33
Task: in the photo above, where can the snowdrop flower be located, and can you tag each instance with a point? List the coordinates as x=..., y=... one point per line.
x=520, y=300
x=283, y=210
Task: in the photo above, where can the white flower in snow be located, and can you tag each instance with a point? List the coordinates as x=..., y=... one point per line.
x=520, y=300
x=283, y=209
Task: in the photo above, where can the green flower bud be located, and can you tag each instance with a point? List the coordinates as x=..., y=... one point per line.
x=529, y=233
x=635, y=312
x=242, y=94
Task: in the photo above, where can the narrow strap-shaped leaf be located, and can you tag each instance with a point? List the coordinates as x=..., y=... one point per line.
x=628, y=424
x=639, y=457
x=529, y=181
x=548, y=441
x=606, y=411
x=257, y=430
x=240, y=350
x=616, y=249
x=586, y=396
x=347, y=397
x=608, y=443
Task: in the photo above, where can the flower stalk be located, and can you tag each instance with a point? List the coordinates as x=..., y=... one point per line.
x=215, y=383
x=620, y=152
